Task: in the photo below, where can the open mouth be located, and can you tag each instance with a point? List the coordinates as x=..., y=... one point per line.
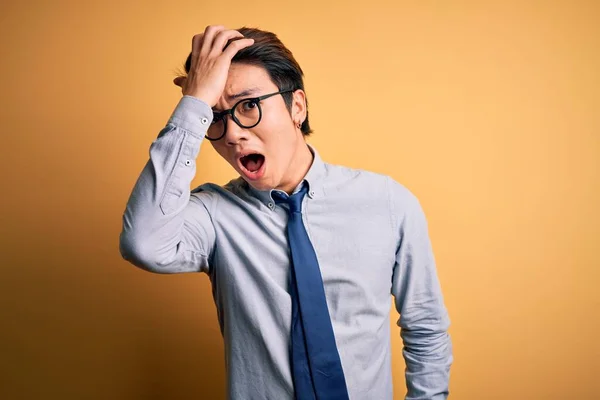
x=253, y=162
x=252, y=165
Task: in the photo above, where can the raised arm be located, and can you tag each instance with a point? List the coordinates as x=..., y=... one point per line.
x=166, y=229
x=418, y=297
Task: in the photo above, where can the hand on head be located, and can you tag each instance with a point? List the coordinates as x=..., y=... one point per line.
x=210, y=62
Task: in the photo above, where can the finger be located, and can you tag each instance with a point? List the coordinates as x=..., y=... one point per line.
x=221, y=40
x=236, y=46
x=196, y=44
x=209, y=37
x=188, y=63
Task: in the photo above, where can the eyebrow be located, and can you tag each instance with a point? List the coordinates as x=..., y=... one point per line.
x=243, y=93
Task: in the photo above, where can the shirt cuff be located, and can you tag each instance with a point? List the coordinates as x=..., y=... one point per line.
x=193, y=115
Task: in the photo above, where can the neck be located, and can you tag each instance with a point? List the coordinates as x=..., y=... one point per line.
x=298, y=168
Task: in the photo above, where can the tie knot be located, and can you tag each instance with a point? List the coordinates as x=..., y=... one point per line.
x=294, y=201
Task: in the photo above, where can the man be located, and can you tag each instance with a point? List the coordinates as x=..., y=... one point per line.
x=301, y=283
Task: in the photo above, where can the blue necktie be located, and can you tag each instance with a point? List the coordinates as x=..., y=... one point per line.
x=316, y=366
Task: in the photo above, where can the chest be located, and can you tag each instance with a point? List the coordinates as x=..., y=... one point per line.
x=352, y=238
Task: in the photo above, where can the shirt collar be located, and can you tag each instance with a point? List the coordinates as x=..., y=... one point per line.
x=314, y=177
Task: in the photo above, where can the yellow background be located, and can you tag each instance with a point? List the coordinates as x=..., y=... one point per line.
x=487, y=111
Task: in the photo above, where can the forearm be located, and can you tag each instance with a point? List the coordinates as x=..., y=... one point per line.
x=154, y=217
x=428, y=357
x=424, y=324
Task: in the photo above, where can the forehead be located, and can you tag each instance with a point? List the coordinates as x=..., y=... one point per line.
x=242, y=77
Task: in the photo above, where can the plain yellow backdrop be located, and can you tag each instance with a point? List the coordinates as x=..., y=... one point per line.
x=487, y=111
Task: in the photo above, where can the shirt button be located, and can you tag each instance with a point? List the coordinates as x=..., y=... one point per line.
x=270, y=205
x=312, y=193
x=188, y=162
x=204, y=121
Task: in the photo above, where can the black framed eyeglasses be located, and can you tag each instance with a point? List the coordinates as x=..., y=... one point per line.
x=246, y=113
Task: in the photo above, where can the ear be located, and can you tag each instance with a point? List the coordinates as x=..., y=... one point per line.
x=299, y=106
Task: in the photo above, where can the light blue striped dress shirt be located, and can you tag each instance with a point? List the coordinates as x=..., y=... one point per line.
x=371, y=239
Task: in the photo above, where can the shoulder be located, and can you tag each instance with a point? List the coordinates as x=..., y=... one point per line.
x=341, y=175
x=374, y=182
x=377, y=190
x=405, y=207
x=400, y=195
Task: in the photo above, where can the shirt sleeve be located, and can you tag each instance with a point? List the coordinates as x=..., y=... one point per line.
x=166, y=228
x=424, y=321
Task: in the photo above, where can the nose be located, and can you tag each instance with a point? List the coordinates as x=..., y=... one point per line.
x=234, y=133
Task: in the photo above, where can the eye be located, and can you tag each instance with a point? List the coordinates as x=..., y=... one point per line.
x=249, y=105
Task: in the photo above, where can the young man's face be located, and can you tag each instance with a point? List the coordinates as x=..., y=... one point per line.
x=278, y=144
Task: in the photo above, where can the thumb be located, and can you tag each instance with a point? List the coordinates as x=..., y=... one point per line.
x=179, y=81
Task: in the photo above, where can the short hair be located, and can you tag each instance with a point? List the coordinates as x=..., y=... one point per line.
x=269, y=52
